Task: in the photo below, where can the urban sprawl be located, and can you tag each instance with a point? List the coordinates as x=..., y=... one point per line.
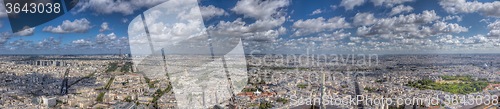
x=274, y=81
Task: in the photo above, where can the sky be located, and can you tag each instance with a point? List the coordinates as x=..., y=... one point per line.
x=277, y=26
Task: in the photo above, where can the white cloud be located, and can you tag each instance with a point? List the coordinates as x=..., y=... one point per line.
x=235, y=27
x=261, y=29
x=175, y=32
x=77, y=26
x=267, y=27
x=81, y=43
x=258, y=9
x=355, y=39
x=478, y=39
x=170, y=25
x=462, y=6
x=442, y=27
x=340, y=34
x=448, y=39
x=400, y=9
x=115, y=6
x=323, y=41
x=494, y=29
x=20, y=43
x=49, y=43
x=211, y=11
x=458, y=18
x=407, y=26
x=194, y=13
x=336, y=35
x=350, y=4
x=26, y=32
x=475, y=42
x=268, y=35
x=264, y=25
x=104, y=27
x=317, y=11
x=102, y=41
x=389, y=3
x=282, y=30
x=320, y=24
x=105, y=39
x=364, y=19
x=259, y=35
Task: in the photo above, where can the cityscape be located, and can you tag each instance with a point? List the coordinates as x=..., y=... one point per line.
x=274, y=81
x=249, y=54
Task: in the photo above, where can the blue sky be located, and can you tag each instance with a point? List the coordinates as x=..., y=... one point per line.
x=282, y=26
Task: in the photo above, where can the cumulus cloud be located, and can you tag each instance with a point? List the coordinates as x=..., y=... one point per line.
x=336, y=35
x=355, y=39
x=75, y=26
x=104, y=27
x=494, y=29
x=26, y=32
x=442, y=27
x=102, y=41
x=458, y=18
x=21, y=44
x=175, y=32
x=389, y=3
x=463, y=6
x=208, y=12
x=45, y=44
x=323, y=41
x=410, y=26
x=81, y=43
x=260, y=30
x=166, y=31
x=105, y=39
x=120, y=43
x=259, y=9
x=479, y=38
x=400, y=9
x=125, y=7
x=320, y=24
x=317, y=11
x=49, y=43
x=364, y=19
x=350, y=4
x=448, y=39
x=263, y=21
x=478, y=41
x=269, y=17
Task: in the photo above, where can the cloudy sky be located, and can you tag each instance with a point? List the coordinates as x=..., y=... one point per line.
x=280, y=26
